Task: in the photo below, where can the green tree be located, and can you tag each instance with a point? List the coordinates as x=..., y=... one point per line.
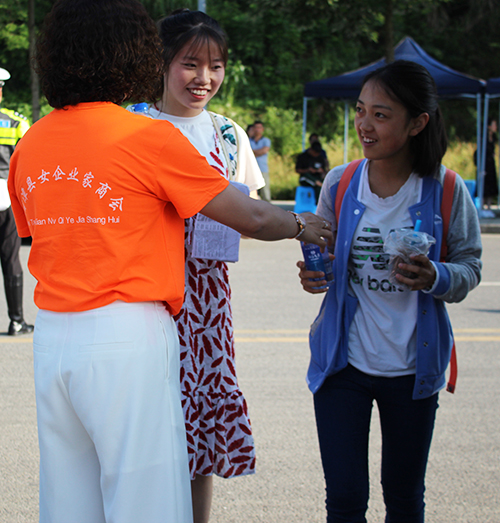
x=14, y=45
x=279, y=45
x=18, y=27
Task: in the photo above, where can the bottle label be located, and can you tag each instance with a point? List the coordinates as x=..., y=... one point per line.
x=317, y=261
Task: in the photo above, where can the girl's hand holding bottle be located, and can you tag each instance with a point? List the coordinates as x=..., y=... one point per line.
x=313, y=282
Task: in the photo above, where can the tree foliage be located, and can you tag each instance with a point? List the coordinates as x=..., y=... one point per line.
x=278, y=45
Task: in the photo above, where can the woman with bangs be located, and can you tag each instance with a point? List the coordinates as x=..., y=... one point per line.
x=218, y=428
x=377, y=339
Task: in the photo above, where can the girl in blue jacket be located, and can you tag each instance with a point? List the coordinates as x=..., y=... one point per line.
x=373, y=339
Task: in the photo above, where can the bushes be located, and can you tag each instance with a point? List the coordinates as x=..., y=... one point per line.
x=284, y=128
x=459, y=158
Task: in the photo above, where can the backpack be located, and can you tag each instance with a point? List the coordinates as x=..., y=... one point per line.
x=446, y=203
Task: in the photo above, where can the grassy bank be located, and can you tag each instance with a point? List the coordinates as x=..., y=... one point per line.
x=459, y=158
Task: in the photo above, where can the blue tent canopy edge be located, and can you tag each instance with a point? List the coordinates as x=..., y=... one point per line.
x=493, y=86
x=450, y=83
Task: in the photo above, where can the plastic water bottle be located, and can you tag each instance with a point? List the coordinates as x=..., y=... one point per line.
x=142, y=108
x=317, y=261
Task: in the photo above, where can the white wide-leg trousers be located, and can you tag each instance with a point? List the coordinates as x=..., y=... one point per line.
x=110, y=423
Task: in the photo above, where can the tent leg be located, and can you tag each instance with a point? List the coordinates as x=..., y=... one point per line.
x=304, y=123
x=346, y=130
x=484, y=142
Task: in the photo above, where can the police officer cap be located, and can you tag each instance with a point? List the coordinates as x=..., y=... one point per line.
x=4, y=74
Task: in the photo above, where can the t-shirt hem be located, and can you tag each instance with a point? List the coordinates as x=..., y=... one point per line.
x=384, y=374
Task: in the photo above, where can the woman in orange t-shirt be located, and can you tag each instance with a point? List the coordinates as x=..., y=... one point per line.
x=104, y=193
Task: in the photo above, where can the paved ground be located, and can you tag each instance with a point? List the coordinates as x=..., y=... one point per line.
x=272, y=316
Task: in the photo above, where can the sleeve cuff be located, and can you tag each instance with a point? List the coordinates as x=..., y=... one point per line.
x=442, y=281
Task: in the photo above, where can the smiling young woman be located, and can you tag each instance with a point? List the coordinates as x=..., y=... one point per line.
x=384, y=130
x=218, y=426
x=378, y=341
x=193, y=79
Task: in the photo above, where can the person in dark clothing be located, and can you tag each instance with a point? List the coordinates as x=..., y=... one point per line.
x=313, y=137
x=490, y=182
x=12, y=127
x=311, y=167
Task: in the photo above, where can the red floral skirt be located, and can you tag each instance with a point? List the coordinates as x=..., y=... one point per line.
x=219, y=432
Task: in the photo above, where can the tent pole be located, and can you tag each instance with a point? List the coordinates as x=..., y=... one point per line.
x=304, y=123
x=346, y=130
x=483, y=152
x=478, y=149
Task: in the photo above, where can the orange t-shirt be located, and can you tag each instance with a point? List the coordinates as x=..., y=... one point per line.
x=103, y=193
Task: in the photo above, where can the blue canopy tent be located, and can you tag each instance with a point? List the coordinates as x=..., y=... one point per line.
x=492, y=91
x=346, y=87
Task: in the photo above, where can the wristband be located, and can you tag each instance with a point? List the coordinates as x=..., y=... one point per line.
x=301, y=223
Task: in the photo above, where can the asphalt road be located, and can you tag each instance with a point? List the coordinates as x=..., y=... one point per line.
x=272, y=315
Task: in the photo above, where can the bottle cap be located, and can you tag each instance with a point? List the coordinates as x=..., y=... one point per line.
x=141, y=108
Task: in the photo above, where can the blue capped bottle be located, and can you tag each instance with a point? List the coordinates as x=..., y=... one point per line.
x=317, y=261
x=142, y=108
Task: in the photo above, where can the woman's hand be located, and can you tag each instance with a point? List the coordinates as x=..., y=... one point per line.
x=317, y=230
x=422, y=268
x=313, y=287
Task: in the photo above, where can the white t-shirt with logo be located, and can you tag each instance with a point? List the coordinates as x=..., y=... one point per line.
x=382, y=336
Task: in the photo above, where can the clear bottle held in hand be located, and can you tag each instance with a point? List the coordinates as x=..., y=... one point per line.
x=401, y=245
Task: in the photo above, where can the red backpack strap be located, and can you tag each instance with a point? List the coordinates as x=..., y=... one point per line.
x=452, y=379
x=446, y=203
x=344, y=182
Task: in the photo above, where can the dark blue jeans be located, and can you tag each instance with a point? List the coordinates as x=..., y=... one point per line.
x=343, y=408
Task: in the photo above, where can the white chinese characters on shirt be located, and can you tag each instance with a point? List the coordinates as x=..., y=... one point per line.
x=87, y=181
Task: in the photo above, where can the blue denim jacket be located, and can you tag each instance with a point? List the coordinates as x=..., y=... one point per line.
x=330, y=331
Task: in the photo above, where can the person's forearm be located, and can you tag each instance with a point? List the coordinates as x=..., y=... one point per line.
x=254, y=218
x=261, y=220
x=261, y=152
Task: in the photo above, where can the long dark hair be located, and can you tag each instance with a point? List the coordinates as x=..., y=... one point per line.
x=184, y=26
x=99, y=50
x=412, y=85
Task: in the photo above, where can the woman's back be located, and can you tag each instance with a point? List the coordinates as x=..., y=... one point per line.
x=93, y=194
